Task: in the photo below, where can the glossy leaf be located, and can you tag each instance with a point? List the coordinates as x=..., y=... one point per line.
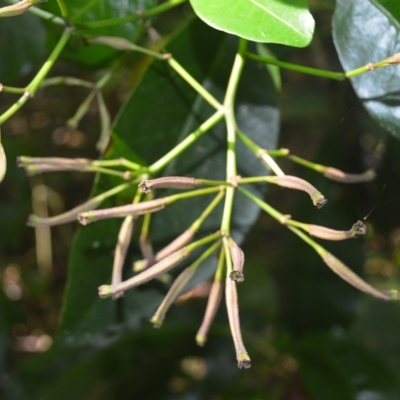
x=88, y=10
x=267, y=21
x=21, y=51
x=363, y=34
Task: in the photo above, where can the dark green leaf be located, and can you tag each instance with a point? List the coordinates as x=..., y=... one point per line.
x=85, y=11
x=363, y=34
x=267, y=21
x=334, y=367
x=389, y=7
x=22, y=46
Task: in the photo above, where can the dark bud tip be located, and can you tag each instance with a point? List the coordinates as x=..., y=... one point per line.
x=236, y=276
x=144, y=187
x=246, y=364
x=359, y=228
x=321, y=202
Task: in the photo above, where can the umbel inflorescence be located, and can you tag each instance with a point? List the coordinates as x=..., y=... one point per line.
x=230, y=265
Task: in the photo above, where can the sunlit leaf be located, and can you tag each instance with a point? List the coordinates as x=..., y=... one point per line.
x=267, y=21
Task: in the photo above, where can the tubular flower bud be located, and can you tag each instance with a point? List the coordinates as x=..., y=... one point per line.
x=237, y=257
x=349, y=276
x=3, y=162
x=293, y=182
x=35, y=165
x=173, y=293
x=340, y=176
x=331, y=234
x=122, y=211
x=157, y=269
x=395, y=59
x=63, y=218
x=181, y=241
x=234, y=323
x=168, y=182
x=124, y=238
x=214, y=300
x=15, y=9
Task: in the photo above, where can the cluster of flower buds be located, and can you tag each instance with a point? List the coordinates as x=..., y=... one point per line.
x=158, y=265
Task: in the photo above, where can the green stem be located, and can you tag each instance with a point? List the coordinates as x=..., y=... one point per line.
x=231, y=133
x=43, y=14
x=187, y=195
x=299, y=68
x=263, y=205
x=63, y=8
x=318, y=72
x=66, y=80
x=189, y=140
x=131, y=18
x=9, y=89
x=194, y=84
x=37, y=80
x=316, y=167
x=121, y=162
x=261, y=153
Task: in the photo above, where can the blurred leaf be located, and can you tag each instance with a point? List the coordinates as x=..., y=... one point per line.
x=363, y=34
x=21, y=51
x=269, y=21
x=88, y=10
x=389, y=7
x=334, y=367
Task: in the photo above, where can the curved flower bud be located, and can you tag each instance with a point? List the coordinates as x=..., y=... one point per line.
x=237, y=257
x=293, y=182
x=122, y=211
x=3, y=162
x=124, y=238
x=343, y=177
x=169, y=182
x=15, y=9
x=349, y=276
x=322, y=232
x=175, y=290
x=214, y=300
x=234, y=323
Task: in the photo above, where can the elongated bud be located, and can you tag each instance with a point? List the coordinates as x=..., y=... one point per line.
x=168, y=182
x=349, y=276
x=3, y=162
x=157, y=269
x=122, y=211
x=344, y=177
x=173, y=293
x=234, y=323
x=395, y=59
x=182, y=240
x=237, y=257
x=293, y=182
x=63, y=218
x=35, y=165
x=112, y=41
x=124, y=239
x=15, y=9
x=331, y=234
x=214, y=300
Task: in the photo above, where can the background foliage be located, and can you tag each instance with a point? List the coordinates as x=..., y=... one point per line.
x=310, y=335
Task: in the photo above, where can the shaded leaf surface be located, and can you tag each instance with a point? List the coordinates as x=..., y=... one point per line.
x=363, y=34
x=85, y=11
x=20, y=50
x=389, y=7
x=267, y=21
x=334, y=367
